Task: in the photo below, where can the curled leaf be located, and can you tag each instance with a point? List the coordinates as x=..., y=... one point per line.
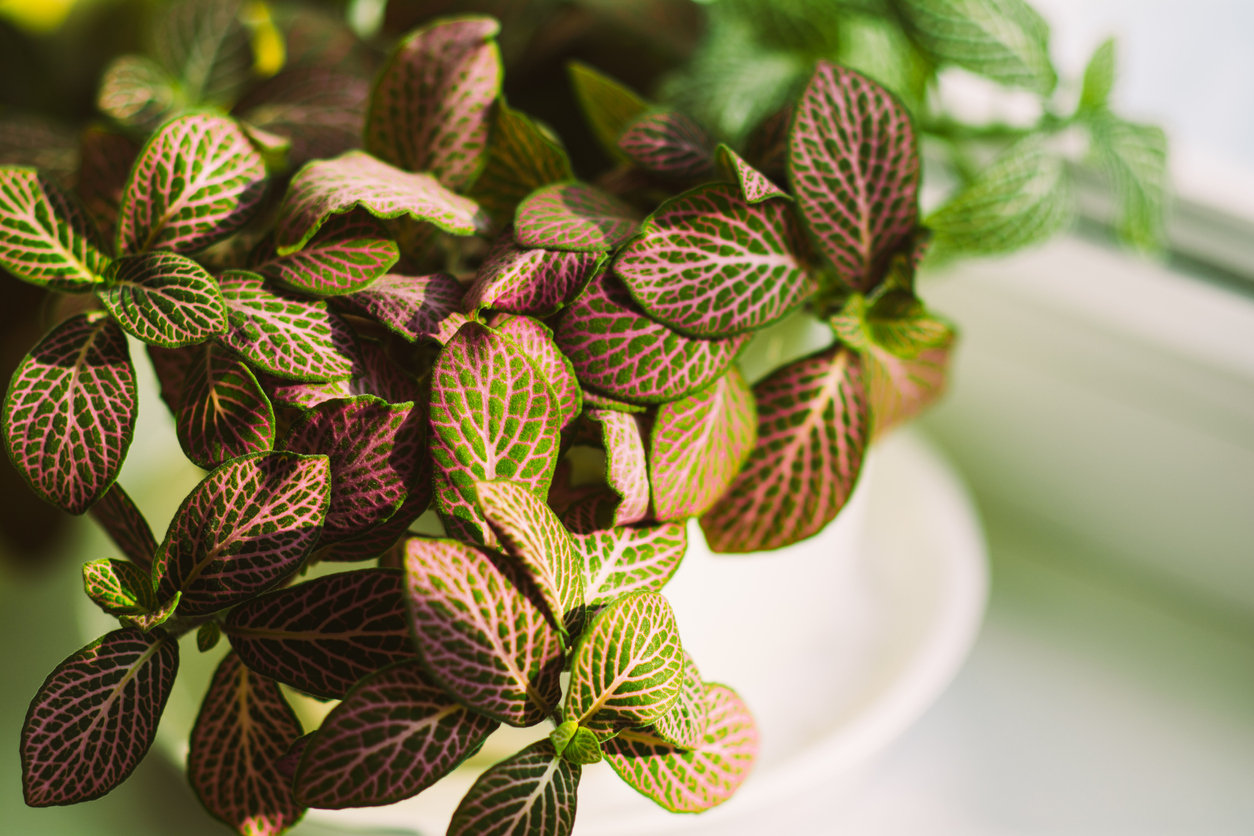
x=118, y=587
x=626, y=468
x=755, y=186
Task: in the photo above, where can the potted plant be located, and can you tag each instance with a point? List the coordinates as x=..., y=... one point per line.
x=448, y=318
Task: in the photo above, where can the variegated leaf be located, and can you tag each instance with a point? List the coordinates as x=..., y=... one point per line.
x=536, y=341
x=323, y=635
x=535, y=282
x=244, y=728
x=698, y=779
x=480, y=635
x=626, y=467
x=155, y=617
x=223, y=412
x=684, y=725
x=619, y=561
x=69, y=414
x=711, y=265
x=901, y=388
x=812, y=431
x=394, y=735
x=126, y=526
x=608, y=106
x=668, y=143
x=45, y=239
x=381, y=539
x=119, y=587
x=617, y=349
x=319, y=109
x=138, y=92
x=107, y=158
x=461, y=517
x=854, y=168
x=429, y=108
x=95, y=716
x=348, y=253
x=246, y=526
x=531, y=793
x=413, y=307
x=755, y=186
x=373, y=374
x=164, y=299
x=521, y=158
x=574, y=216
x=698, y=445
x=596, y=400
x=196, y=181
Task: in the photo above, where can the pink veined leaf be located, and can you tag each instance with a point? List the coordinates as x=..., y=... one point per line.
x=118, y=587
x=608, y=106
x=171, y=366
x=321, y=636
x=813, y=427
x=480, y=635
x=596, y=400
x=196, y=181
x=429, y=110
x=626, y=468
x=246, y=527
x=288, y=337
x=685, y=724
x=698, y=445
x=319, y=109
x=164, y=299
x=95, y=716
x=520, y=159
x=69, y=414
x=413, y=307
x=223, y=412
x=755, y=186
x=394, y=735
x=348, y=253
x=901, y=388
x=136, y=91
x=669, y=143
x=709, y=264
x=355, y=179
x=244, y=728
x=533, y=792
x=376, y=450
x=45, y=239
x=381, y=539
x=617, y=349
x=698, y=779
x=574, y=216
x=373, y=374
x=107, y=158
x=854, y=168
x=624, y=559
x=461, y=517
x=536, y=341
x=535, y=282
x=126, y=526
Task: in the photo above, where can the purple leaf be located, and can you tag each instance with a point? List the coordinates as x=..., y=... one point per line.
x=323, y=635
x=126, y=526
x=684, y=725
x=95, y=717
x=413, y=307
x=535, y=282
x=429, y=109
x=394, y=735
x=246, y=526
x=196, y=181
x=288, y=337
x=521, y=158
x=70, y=411
x=348, y=253
x=319, y=109
x=164, y=299
x=812, y=432
x=243, y=730
x=286, y=765
x=574, y=216
x=854, y=168
x=119, y=587
x=710, y=265
x=626, y=470
x=670, y=144
x=479, y=635
x=699, y=444
x=373, y=374
x=618, y=561
x=355, y=179
x=107, y=158
x=755, y=186
x=536, y=341
x=45, y=239
x=380, y=539
x=608, y=107
x=617, y=349
x=171, y=366
x=532, y=793
x=223, y=412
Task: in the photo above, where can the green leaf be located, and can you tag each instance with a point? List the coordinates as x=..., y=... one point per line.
x=521, y=159
x=45, y=239
x=204, y=45
x=119, y=587
x=536, y=341
x=1099, y=78
x=208, y=636
x=608, y=106
x=164, y=299
x=145, y=621
x=1135, y=157
x=685, y=724
x=583, y=747
x=531, y=794
x=136, y=91
x=755, y=186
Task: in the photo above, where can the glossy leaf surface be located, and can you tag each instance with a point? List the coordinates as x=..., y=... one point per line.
x=536, y=341
x=537, y=282
x=668, y=143
x=626, y=468
x=223, y=412
x=608, y=106
x=533, y=792
x=755, y=186
x=574, y=216
x=625, y=559
x=521, y=158
x=413, y=307
x=348, y=253
x=126, y=526
x=45, y=239
x=164, y=299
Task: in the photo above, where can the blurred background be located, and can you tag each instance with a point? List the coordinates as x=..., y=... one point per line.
x=1101, y=410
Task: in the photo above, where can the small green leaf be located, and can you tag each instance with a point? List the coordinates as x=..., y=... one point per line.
x=1135, y=157
x=561, y=736
x=608, y=106
x=583, y=748
x=755, y=186
x=147, y=620
x=531, y=794
x=207, y=636
x=1099, y=78
x=617, y=561
x=164, y=299
x=119, y=587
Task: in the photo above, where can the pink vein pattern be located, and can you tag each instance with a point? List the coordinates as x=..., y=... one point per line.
x=755, y=186
x=625, y=559
x=669, y=143
x=626, y=470
x=348, y=253
x=533, y=792
x=685, y=724
x=126, y=526
x=902, y=388
x=413, y=307
x=536, y=341
x=223, y=413
x=461, y=517
x=574, y=216
x=45, y=238
x=535, y=282
x=373, y=374
x=164, y=299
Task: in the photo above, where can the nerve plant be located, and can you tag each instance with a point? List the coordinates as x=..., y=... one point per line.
x=335, y=388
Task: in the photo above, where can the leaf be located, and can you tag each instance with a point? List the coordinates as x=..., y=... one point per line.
x=244, y=728
x=223, y=412
x=126, y=526
x=685, y=724
x=521, y=158
x=1135, y=157
x=574, y=216
x=854, y=168
x=626, y=470
x=323, y=635
x=69, y=414
x=698, y=445
x=107, y=158
x=246, y=526
x=608, y=106
x=618, y=561
x=461, y=517
x=207, y=636
x=1005, y=40
x=137, y=92
x=413, y=307
x=668, y=143
x=347, y=254
x=480, y=636
x=578, y=745
x=355, y=179
x=595, y=400
x=531, y=793
x=373, y=374
x=196, y=181
x=380, y=540
x=394, y=735
x=155, y=617
x=755, y=186
x=285, y=336
x=429, y=108
x=45, y=239
x=118, y=587
x=710, y=265
x=696, y=780
x=812, y=432
x=901, y=388
x=171, y=366
x=628, y=666
x=376, y=451
x=536, y=341
x=204, y=45
x=321, y=110
x=95, y=717
x=1099, y=78
x=164, y=299
x=535, y=282
x=614, y=347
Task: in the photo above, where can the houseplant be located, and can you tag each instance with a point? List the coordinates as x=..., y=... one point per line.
x=334, y=391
